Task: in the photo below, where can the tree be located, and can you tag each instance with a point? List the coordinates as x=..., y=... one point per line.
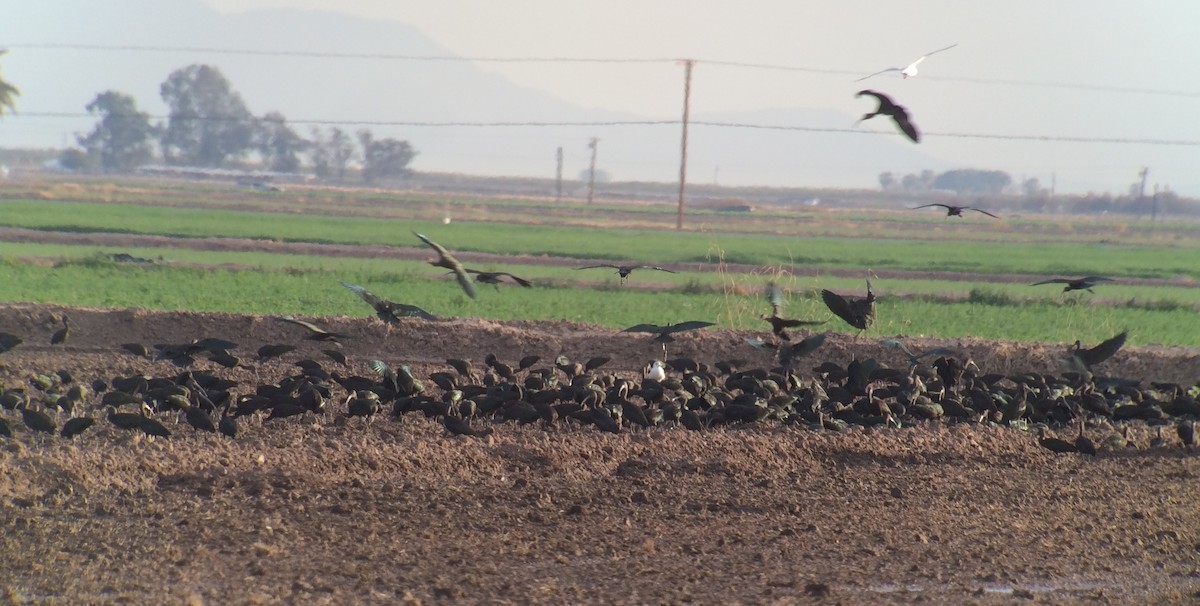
x=886, y=181
x=7, y=94
x=384, y=157
x=331, y=155
x=121, y=140
x=1032, y=187
x=208, y=122
x=973, y=181
x=278, y=144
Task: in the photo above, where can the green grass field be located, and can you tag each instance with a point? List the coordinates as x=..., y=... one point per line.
x=662, y=247
x=710, y=285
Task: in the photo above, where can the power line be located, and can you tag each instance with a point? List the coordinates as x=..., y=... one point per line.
x=616, y=123
x=331, y=55
x=594, y=60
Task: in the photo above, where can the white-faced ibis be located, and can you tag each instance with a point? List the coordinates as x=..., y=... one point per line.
x=37, y=420
x=1085, y=283
x=60, y=336
x=496, y=277
x=228, y=425
x=386, y=310
x=914, y=358
x=955, y=211
x=5, y=428
x=663, y=333
x=887, y=107
x=1158, y=441
x=76, y=426
x=460, y=427
x=266, y=352
x=1186, y=430
x=315, y=333
x=790, y=353
x=779, y=324
x=1105, y=350
x=1052, y=444
x=1083, y=443
x=911, y=69
x=447, y=261
x=624, y=270
x=857, y=312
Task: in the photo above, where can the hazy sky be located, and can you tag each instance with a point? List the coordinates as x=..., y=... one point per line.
x=1109, y=69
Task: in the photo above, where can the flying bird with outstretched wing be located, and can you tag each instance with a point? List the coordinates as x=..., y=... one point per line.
x=447, y=261
x=909, y=70
x=890, y=108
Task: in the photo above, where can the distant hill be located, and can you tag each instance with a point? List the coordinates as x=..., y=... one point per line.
x=370, y=92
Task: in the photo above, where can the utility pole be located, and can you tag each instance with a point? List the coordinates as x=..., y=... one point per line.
x=558, y=176
x=592, y=170
x=687, y=102
x=1141, y=203
x=1154, y=205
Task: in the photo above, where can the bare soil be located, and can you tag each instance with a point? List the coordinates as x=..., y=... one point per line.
x=327, y=510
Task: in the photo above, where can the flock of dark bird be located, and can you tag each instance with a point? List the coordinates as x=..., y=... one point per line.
x=937, y=384
x=470, y=401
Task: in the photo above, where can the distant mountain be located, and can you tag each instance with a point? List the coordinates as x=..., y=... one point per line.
x=376, y=92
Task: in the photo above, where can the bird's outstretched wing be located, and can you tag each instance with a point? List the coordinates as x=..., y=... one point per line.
x=880, y=97
x=1103, y=351
x=838, y=305
x=945, y=206
x=882, y=71
x=478, y=272
x=610, y=265
x=447, y=260
x=651, y=328
x=387, y=310
x=801, y=349
x=313, y=328
x=980, y=210
x=365, y=295
x=1051, y=281
x=938, y=51
x=689, y=325
x=900, y=116
x=775, y=296
x=670, y=271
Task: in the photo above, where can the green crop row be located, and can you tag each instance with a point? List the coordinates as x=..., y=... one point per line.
x=662, y=247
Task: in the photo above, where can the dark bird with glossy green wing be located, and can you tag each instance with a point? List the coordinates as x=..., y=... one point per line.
x=1085, y=283
x=496, y=277
x=624, y=270
x=60, y=336
x=858, y=312
x=894, y=110
x=663, y=333
x=315, y=333
x=1087, y=358
x=956, y=211
x=447, y=261
x=779, y=324
x=388, y=311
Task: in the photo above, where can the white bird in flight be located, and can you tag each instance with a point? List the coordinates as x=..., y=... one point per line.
x=911, y=70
